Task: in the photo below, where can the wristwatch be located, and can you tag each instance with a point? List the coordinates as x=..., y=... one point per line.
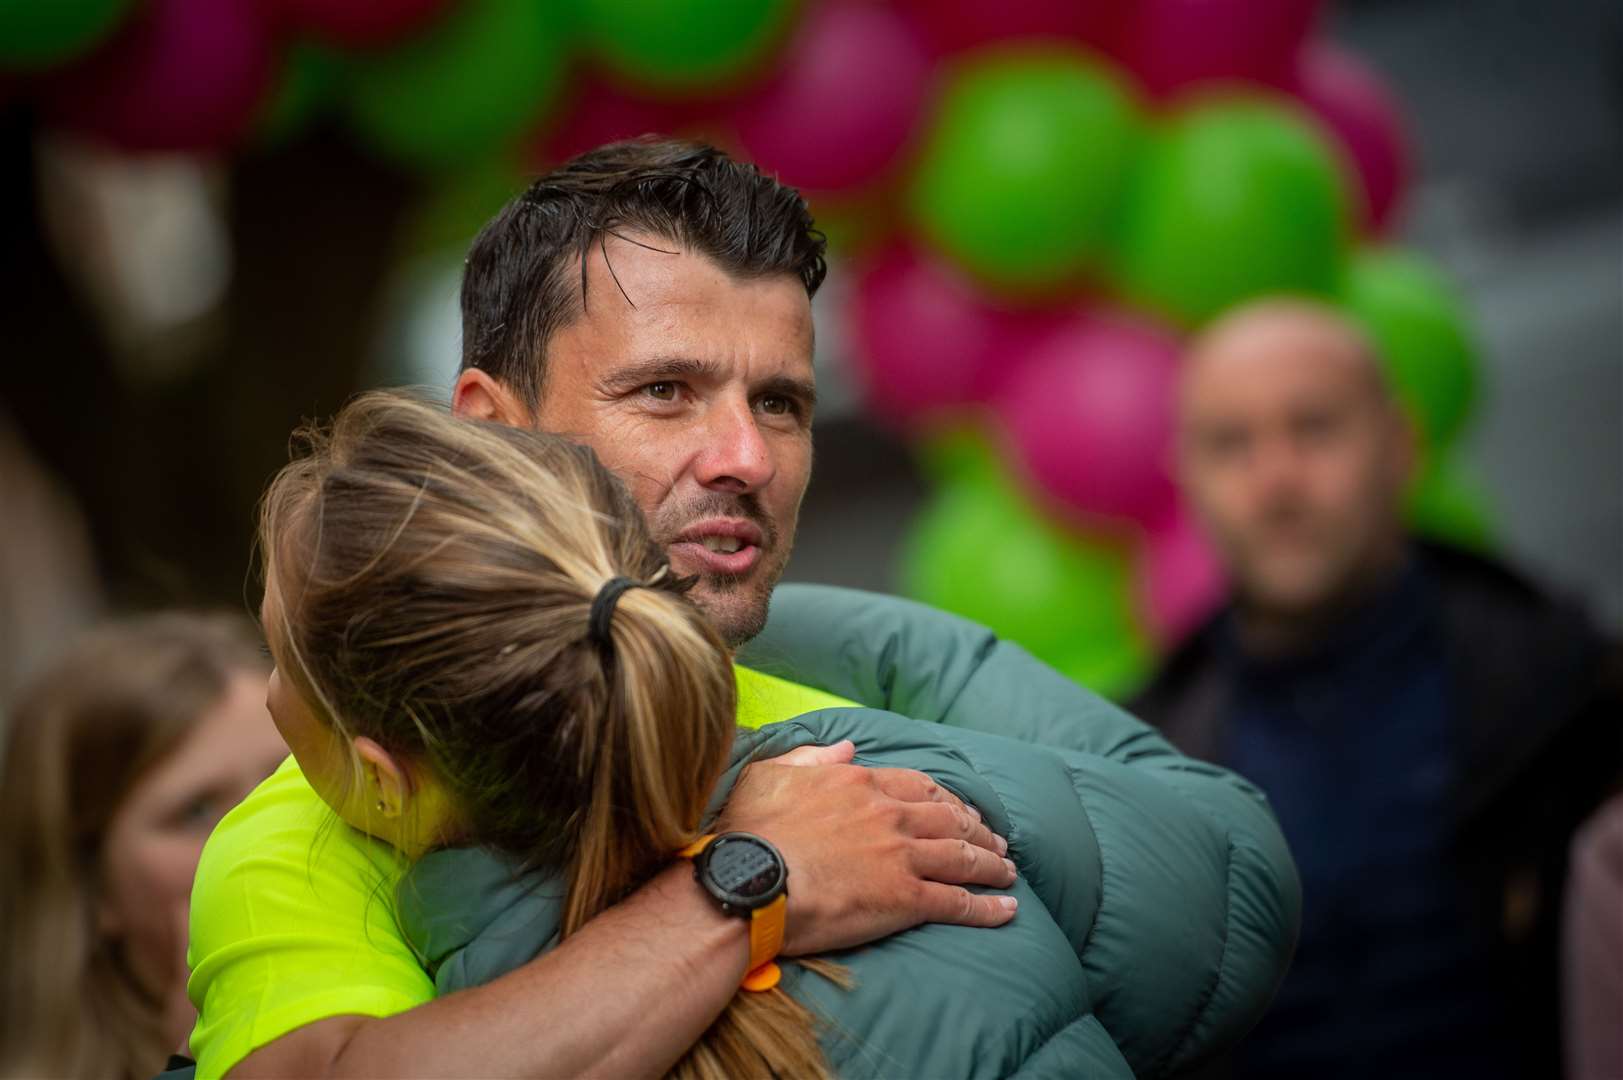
x=747, y=877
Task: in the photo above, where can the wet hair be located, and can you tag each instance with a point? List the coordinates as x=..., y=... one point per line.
x=525, y=277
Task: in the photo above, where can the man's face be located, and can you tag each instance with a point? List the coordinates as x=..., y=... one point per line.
x=1294, y=458
x=696, y=388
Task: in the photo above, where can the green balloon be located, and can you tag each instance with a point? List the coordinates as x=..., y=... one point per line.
x=683, y=45
x=959, y=452
x=36, y=34
x=981, y=551
x=1236, y=198
x=1446, y=503
x=1025, y=166
x=1420, y=330
x=458, y=205
x=482, y=76
x=311, y=77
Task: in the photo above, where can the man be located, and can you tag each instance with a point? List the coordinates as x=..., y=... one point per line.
x=652, y=299
x=1428, y=727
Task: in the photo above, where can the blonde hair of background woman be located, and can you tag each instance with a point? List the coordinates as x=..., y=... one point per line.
x=434, y=578
x=83, y=734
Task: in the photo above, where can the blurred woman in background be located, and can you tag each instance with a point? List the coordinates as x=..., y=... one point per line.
x=120, y=758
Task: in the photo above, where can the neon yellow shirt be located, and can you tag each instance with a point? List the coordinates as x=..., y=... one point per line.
x=293, y=912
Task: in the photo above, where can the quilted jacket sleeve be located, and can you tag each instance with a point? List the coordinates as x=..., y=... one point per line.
x=1189, y=849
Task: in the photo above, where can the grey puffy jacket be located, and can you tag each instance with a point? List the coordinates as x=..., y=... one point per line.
x=1158, y=903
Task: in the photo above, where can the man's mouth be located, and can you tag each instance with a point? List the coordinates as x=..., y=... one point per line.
x=719, y=546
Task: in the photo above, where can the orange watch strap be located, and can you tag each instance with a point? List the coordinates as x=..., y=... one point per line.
x=766, y=931
x=697, y=846
x=766, y=941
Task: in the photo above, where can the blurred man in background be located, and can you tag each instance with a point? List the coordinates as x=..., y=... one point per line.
x=1429, y=727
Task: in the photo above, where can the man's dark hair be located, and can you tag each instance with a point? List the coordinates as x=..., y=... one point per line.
x=520, y=286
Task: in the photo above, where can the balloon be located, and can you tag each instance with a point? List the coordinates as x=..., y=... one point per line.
x=1088, y=412
x=926, y=340
x=684, y=45
x=1237, y=198
x=355, y=24
x=844, y=102
x=1446, y=504
x=1181, y=579
x=600, y=113
x=1170, y=44
x=954, y=26
x=1357, y=109
x=955, y=452
x=458, y=204
x=36, y=34
x=185, y=75
x=311, y=75
x=1025, y=165
x=463, y=90
x=1421, y=333
x=980, y=551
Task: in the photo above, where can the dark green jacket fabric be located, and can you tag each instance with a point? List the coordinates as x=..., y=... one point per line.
x=1158, y=903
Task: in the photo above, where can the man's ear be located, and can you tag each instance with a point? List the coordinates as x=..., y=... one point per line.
x=477, y=396
x=388, y=785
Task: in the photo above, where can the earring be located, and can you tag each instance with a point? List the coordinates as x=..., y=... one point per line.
x=381, y=807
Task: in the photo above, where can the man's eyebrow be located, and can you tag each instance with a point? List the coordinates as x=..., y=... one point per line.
x=791, y=387
x=640, y=373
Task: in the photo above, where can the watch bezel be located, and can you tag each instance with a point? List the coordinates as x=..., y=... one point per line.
x=737, y=903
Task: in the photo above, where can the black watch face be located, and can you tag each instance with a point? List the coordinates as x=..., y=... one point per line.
x=747, y=870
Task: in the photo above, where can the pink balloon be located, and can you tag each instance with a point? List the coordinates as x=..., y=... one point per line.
x=182, y=75
x=1171, y=44
x=602, y=112
x=1360, y=112
x=1180, y=579
x=953, y=26
x=354, y=24
x=927, y=340
x=846, y=98
x=1089, y=415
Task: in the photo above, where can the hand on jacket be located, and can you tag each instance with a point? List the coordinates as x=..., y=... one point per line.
x=870, y=851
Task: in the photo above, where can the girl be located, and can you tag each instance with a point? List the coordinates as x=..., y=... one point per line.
x=120, y=758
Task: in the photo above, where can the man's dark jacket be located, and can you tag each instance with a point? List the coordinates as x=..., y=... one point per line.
x=1539, y=736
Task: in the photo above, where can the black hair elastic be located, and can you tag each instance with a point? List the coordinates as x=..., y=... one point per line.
x=597, y=624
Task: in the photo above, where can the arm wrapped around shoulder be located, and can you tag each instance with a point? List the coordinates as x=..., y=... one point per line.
x=1201, y=904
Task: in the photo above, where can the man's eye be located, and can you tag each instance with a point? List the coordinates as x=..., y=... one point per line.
x=661, y=391
x=775, y=405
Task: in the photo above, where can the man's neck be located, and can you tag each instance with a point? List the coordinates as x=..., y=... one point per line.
x=1278, y=633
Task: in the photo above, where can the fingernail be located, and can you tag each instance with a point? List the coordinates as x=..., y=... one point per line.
x=1002, y=845
x=1009, y=903
x=1010, y=864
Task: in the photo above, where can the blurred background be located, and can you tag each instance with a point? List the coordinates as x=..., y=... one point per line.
x=223, y=216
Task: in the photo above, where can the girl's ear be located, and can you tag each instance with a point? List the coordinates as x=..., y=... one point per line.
x=388, y=782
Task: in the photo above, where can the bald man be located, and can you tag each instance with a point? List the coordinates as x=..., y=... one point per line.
x=1429, y=727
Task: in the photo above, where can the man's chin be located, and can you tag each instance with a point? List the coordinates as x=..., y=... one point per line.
x=735, y=607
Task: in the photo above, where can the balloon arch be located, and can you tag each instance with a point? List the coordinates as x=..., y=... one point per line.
x=1036, y=200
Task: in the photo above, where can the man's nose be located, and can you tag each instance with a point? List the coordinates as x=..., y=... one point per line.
x=735, y=456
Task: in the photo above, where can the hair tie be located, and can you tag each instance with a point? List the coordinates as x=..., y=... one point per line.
x=597, y=624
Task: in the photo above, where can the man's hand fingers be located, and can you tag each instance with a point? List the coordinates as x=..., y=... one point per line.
x=958, y=862
x=840, y=753
x=952, y=821
x=951, y=904
x=910, y=785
